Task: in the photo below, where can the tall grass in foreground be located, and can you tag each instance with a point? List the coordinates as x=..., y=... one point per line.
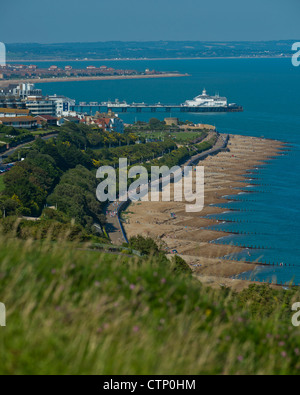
x=79, y=312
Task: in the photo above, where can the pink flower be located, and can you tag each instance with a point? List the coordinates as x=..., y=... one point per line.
x=284, y=354
x=163, y=280
x=240, y=358
x=132, y=287
x=136, y=329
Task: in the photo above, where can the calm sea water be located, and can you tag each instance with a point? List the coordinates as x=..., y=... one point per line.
x=269, y=90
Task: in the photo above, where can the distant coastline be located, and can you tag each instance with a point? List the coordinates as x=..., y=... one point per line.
x=142, y=59
x=4, y=83
x=148, y=50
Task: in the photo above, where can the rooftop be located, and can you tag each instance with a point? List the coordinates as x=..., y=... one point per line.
x=17, y=119
x=46, y=117
x=13, y=111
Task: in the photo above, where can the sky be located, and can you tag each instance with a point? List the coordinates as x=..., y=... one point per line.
x=56, y=21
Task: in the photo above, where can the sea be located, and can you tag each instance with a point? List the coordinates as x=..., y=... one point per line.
x=267, y=221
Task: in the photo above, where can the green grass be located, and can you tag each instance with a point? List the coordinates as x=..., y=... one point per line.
x=179, y=137
x=2, y=185
x=78, y=312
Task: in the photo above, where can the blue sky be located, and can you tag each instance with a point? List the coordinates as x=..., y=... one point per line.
x=139, y=20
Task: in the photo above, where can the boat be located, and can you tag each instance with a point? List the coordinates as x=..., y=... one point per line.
x=207, y=101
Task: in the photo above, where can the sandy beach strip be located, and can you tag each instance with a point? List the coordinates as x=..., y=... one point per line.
x=186, y=232
x=4, y=83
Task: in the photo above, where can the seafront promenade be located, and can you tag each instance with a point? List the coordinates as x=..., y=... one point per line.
x=114, y=227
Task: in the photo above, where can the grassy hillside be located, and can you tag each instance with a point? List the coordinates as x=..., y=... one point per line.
x=72, y=311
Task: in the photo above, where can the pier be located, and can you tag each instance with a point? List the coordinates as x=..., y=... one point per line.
x=92, y=108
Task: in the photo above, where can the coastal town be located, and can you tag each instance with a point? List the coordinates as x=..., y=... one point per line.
x=149, y=203
x=17, y=73
x=20, y=71
x=23, y=106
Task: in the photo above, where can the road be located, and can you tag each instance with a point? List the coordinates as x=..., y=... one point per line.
x=114, y=226
x=11, y=151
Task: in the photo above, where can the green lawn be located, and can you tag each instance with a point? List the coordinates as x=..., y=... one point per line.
x=180, y=137
x=81, y=312
x=2, y=186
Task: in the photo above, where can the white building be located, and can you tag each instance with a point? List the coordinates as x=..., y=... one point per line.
x=24, y=90
x=117, y=125
x=62, y=104
x=39, y=105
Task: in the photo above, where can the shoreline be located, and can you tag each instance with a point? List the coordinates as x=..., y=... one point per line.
x=143, y=59
x=191, y=234
x=4, y=83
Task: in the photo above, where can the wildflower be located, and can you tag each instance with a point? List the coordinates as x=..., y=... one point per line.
x=297, y=351
x=136, y=329
x=132, y=287
x=240, y=358
x=284, y=354
x=97, y=284
x=281, y=344
x=163, y=280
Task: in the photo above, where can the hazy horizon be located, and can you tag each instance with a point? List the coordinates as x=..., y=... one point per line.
x=149, y=41
x=136, y=20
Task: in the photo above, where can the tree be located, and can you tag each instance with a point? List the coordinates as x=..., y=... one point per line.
x=154, y=123
x=146, y=246
x=180, y=266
